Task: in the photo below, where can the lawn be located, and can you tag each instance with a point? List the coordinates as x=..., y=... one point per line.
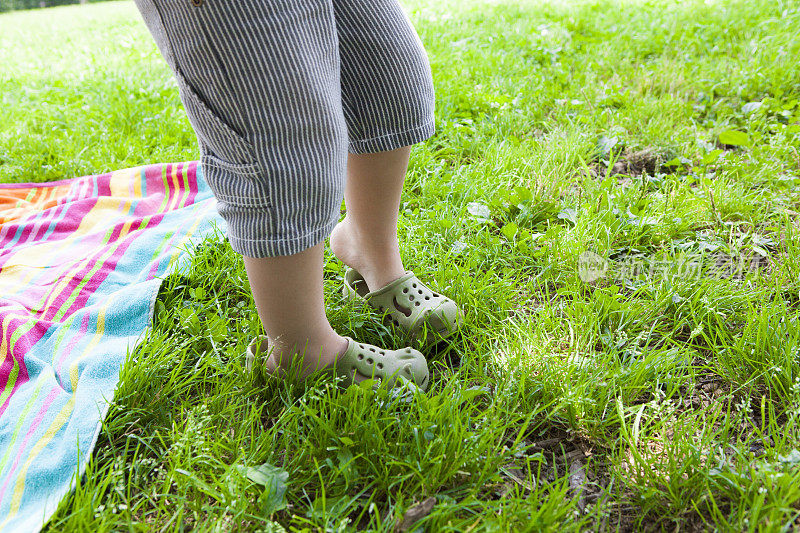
x=613, y=196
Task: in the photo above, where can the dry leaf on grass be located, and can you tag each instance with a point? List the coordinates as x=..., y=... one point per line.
x=415, y=514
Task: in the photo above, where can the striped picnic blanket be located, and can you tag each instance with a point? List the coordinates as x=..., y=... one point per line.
x=81, y=262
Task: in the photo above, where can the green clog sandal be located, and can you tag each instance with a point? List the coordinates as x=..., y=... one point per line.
x=408, y=303
x=364, y=361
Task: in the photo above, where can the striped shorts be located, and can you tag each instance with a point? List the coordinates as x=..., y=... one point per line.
x=279, y=91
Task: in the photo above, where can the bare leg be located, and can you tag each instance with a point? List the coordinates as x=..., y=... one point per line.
x=290, y=302
x=288, y=289
x=367, y=237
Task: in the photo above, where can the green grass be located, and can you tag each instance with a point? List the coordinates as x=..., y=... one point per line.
x=661, y=401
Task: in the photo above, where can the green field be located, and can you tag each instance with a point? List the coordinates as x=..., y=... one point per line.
x=657, y=390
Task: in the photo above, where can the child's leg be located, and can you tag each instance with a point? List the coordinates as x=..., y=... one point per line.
x=388, y=104
x=367, y=238
x=388, y=101
x=261, y=86
x=288, y=294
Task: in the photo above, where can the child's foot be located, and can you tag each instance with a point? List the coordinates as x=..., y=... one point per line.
x=379, y=263
x=410, y=304
x=355, y=363
x=281, y=354
x=377, y=275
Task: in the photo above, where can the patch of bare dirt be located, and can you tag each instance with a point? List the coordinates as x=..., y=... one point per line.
x=633, y=163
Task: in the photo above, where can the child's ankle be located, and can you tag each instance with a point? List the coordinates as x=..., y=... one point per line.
x=309, y=354
x=378, y=262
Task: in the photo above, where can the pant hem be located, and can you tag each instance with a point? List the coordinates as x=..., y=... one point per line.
x=272, y=248
x=393, y=141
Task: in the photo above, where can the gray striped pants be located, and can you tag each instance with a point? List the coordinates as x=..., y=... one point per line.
x=278, y=92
